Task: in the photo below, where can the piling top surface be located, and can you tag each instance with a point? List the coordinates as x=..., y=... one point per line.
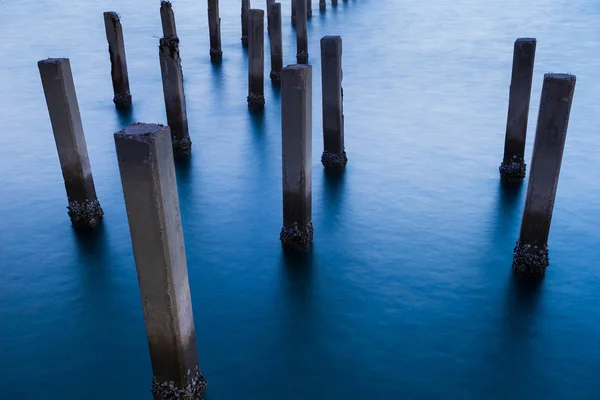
x=139, y=131
x=53, y=61
x=521, y=40
x=327, y=38
x=111, y=14
x=166, y=3
x=562, y=77
x=257, y=13
x=297, y=67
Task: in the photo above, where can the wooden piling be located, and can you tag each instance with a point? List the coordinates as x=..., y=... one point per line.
x=245, y=15
x=301, y=33
x=214, y=26
x=276, y=43
x=531, y=250
x=256, y=59
x=172, y=79
x=334, y=154
x=150, y=189
x=296, y=143
x=61, y=99
x=118, y=61
x=167, y=18
x=513, y=164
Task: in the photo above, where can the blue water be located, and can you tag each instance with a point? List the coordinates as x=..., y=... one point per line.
x=408, y=290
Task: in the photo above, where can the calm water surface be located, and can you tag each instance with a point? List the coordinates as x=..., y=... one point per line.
x=408, y=291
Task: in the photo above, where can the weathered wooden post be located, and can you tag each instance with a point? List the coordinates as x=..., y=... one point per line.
x=167, y=17
x=334, y=154
x=118, y=62
x=293, y=4
x=214, y=26
x=531, y=251
x=61, y=99
x=296, y=144
x=322, y=5
x=172, y=79
x=152, y=203
x=308, y=8
x=245, y=15
x=256, y=59
x=269, y=2
x=301, y=33
x=276, y=43
x=513, y=164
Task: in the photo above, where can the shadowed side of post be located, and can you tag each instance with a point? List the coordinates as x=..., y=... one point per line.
x=245, y=16
x=276, y=43
x=256, y=59
x=301, y=33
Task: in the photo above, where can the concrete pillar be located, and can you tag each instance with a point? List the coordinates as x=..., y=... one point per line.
x=167, y=18
x=296, y=143
x=322, y=5
x=256, y=59
x=172, y=79
x=59, y=89
x=513, y=164
x=301, y=33
x=531, y=251
x=334, y=154
x=118, y=62
x=276, y=43
x=308, y=8
x=293, y=3
x=152, y=203
x=269, y=2
x=214, y=26
x=245, y=15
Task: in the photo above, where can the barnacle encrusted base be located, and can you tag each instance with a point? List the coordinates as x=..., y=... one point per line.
x=512, y=171
x=275, y=77
x=302, y=57
x=182, y=147
x=296, y=238
x=334, y=161
x=530, y=261
x=122, y=101
x=169, y=391
x=244, y=40
x=256, y=101
x=216, y=53
x=85, y=214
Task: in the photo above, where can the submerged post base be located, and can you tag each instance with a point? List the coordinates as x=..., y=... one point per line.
x=122, y=101
x=513, y=170
x=245, y=40
x=168, y=391
x=182, y=147
x=530, y=261
x=86, y=214
x=275, y=77
x=216, y=53
x=334, y=161
x=302, y=57
x=256, y=101
x=295, y=238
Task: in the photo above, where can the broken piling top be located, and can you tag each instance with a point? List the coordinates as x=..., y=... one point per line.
x=61, y=100
x=531, y=251
x=167, y=17
x=149, y=185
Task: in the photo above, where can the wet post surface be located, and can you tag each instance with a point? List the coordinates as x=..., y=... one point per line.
x=531, y=251
x=256, y=59
x=513, y=164
x=150, y=189
x=276, y=43
x=214, y=27
x=296, y=144
x=167, y=17
x=334, y=154
x=245, y=15
x=118, y=61
x=172, y=79
x=301, y=33
x=61, y=99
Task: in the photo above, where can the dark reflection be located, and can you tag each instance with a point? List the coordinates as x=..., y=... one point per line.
x=92, y=251
x=125, y=117
x=257, y=120
x=185, y=184
x=276, y=91
x=508, y=211
x=216, y=68
x=297, y=273
x=334, y=184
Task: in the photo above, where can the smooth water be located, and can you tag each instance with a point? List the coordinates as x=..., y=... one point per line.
x=408, y=290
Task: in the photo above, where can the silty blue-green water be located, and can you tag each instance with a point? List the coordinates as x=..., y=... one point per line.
x=407, y=292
